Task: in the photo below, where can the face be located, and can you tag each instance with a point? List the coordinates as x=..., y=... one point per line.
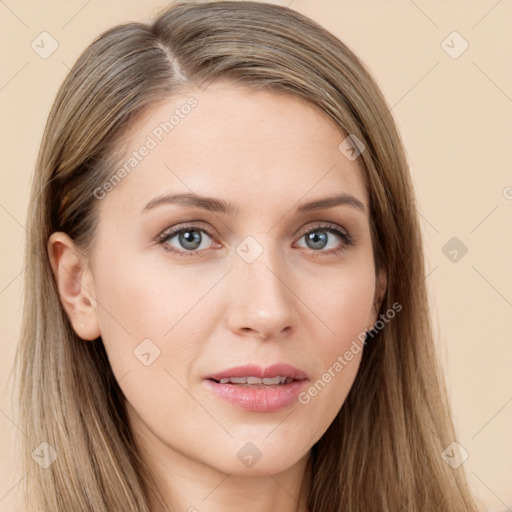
x=184, y=290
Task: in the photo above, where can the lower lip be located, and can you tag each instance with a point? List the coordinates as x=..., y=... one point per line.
x=257, y=399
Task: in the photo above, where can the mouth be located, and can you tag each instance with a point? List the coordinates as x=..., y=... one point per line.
x=257, y=389
x=252, y=374
x=256, y=382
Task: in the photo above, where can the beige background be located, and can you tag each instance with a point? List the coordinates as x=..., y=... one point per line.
x=455, y=118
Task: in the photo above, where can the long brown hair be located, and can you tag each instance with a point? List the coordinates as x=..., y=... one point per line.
x=383, y=450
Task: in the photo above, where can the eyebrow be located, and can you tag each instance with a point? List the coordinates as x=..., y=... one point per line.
x=220, y=206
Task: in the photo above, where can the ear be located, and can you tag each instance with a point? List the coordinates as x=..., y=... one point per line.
x=380, y=292
x=75, y=285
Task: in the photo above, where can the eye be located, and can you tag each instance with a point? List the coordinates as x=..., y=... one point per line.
x=321, y=237
x=185, y=240
x=191, y=240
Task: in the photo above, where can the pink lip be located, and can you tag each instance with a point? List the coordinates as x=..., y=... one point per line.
x=251, y=370
x=258, y=399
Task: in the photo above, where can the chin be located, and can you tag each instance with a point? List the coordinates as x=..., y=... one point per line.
x=259, y=457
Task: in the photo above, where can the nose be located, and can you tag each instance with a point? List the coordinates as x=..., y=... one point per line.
x=263, y=301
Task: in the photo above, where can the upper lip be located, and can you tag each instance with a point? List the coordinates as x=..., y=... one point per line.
x=251, y=370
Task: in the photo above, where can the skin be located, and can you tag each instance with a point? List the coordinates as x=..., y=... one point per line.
x=296, y=303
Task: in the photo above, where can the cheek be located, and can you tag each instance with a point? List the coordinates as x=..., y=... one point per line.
x=343, y=302
x=137, y=303
x=152, y=326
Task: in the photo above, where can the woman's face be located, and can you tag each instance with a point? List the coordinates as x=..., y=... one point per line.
x=258, y=277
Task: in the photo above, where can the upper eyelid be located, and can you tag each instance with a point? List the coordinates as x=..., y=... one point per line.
x=173, y=230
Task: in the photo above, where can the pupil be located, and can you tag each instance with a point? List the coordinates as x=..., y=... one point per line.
x=190, y=239
x=318, y=241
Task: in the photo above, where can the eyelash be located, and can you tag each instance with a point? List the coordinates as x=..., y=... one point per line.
x=347, y=240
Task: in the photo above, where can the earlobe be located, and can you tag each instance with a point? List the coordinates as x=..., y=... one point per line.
x=74, y=284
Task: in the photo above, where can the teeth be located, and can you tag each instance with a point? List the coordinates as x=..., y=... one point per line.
x=274, y=380
x=238, y=380
x=256, y=381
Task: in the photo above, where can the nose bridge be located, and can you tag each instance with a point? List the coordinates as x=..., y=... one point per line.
x=262, y=300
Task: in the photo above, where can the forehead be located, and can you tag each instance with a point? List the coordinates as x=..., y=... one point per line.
x=255, y=146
